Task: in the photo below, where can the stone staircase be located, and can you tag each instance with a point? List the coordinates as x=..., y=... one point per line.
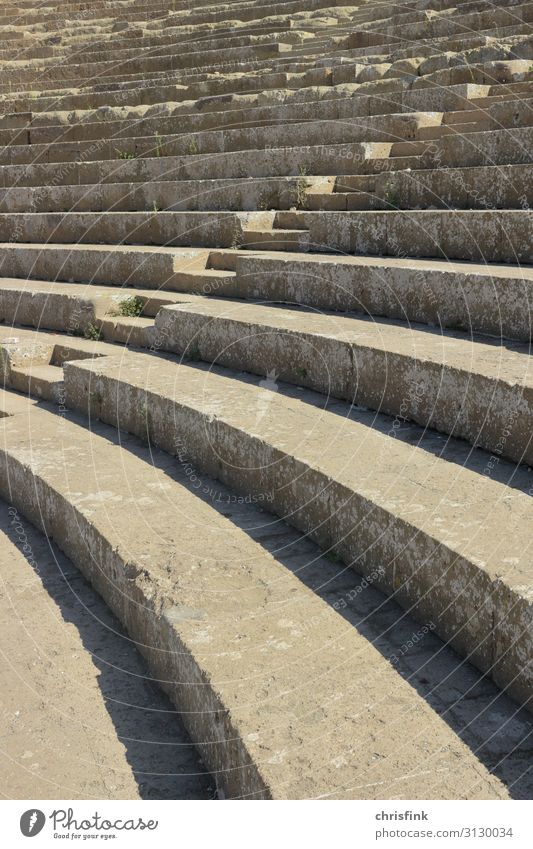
x=266, y=300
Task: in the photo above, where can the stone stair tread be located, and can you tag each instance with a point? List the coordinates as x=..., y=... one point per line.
x=477, y=353
x=101, y=465
x=337, y=354
x=354, y=449
x=36, y=634
x=50, y=373
x=266, y=313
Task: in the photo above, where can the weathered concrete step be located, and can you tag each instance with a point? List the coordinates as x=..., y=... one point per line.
x=441, y=561
x=206, y=229
x=483, y=187
x=275, y=240
x=118, y=265
x=172, y=137
x=473, y=235
x=477, y=235
x=257, y=715
x=468, y=388
x=492, y=299
x=78, y=308
x=75, y=743
x=41, y=381
x=244, y=194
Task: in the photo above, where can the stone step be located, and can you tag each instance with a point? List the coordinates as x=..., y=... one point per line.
x=275, y=240
x=470, y=388
x=205, y=229
x=41, y=381
x=260, y=713
x=440, y=558
x=440, y=131
x=172, y=136
x=473, y=235
x=156, y=268
x=78, y=308
x=285, y=250
x=484, y=298
x=336, y=201
x=204, y=110
x=281, y=162
x=189, y=195
x=135, y=331
x=502, y=147
x=75, y=742
x=478, y=298
x=240, y=127
x=77, y=73
x=482, y=187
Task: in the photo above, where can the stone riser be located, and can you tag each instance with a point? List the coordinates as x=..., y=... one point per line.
x=487, y=236
x=160, y=134
x=225, y=229
x=297, y=485
x=246, y=726
x=405, y=373
x=476, y=149
x=501, y=187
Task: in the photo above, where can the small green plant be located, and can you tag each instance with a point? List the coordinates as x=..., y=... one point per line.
x=92, y=332
x=158, y=144
x=131, y=307
x=124, y=154
x=155, y=207
x=193, y=147
x=301, y=372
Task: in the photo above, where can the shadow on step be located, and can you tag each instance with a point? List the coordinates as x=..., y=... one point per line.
x=162, y=758
x=488, y=721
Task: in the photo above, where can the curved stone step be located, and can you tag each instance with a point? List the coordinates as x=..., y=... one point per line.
x=339, y=475
x=272, y=731
x=107, y=730
x=475, y=389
